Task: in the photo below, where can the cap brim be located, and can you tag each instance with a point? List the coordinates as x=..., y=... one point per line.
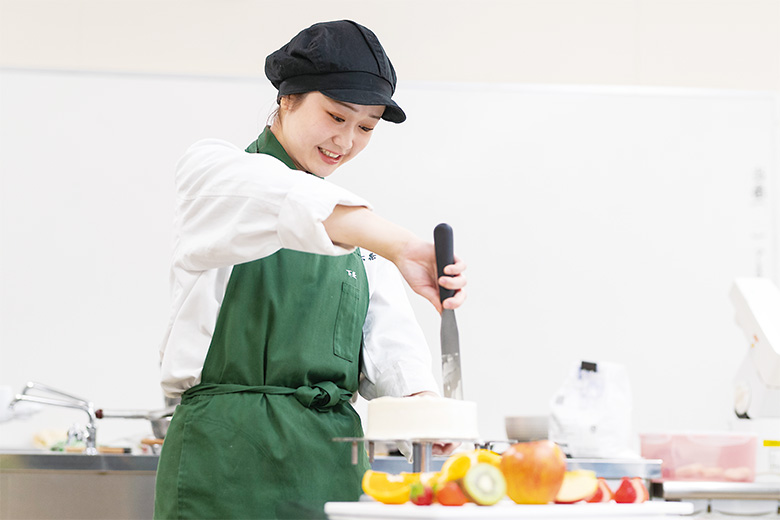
x=392, y=113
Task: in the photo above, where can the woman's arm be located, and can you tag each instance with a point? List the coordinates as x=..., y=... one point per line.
x=415, y=258
x=233, y=207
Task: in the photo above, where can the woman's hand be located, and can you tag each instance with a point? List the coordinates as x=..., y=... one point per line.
x=417, y=263
x=415, y=258
x=439, y=448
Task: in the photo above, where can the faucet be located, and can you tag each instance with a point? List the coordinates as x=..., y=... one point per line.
x=69, y=401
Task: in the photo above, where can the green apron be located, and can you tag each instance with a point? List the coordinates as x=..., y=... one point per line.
x=254, y=438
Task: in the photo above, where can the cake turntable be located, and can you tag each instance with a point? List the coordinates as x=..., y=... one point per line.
x=422, y=448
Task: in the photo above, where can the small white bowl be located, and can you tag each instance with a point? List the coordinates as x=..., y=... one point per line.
x=524, y=428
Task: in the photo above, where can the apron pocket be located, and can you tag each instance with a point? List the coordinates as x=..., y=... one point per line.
x=349, y=328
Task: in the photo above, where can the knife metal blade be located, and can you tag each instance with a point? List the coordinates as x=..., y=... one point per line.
x=452, y=384
x=450, y=356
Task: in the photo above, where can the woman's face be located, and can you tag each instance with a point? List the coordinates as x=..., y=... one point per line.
x=320, y=134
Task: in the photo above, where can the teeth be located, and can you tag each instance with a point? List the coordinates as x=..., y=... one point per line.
x=330, y=154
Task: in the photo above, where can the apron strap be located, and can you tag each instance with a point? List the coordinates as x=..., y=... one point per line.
x=319, y=396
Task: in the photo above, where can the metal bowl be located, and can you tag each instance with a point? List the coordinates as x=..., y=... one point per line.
x=160, y=427
x=525, y=428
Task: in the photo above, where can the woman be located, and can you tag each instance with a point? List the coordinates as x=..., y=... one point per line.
x=278, y=318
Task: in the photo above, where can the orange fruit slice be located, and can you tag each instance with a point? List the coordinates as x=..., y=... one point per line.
x=388, y=488
x=489, y=457
x=411, y=478
x=458, y=464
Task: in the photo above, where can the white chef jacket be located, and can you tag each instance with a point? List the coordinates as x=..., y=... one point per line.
x=233, y=207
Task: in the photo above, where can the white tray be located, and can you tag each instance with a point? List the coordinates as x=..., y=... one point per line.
x=504, y=510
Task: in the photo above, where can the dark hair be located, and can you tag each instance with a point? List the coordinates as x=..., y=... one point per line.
x=293, y=99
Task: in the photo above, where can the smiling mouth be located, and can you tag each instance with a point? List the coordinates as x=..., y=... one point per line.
x=330, y=154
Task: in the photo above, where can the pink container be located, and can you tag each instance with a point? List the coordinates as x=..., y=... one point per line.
x=703, y=456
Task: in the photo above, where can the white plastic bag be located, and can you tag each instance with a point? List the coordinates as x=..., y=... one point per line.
x=590, y=415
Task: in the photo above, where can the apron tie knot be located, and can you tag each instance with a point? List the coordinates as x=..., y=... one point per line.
x=321, y=396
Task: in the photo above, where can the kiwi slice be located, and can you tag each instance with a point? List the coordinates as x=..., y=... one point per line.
x=484, y=484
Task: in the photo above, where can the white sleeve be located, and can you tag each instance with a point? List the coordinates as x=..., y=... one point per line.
x=233, y=207
x=396, y=357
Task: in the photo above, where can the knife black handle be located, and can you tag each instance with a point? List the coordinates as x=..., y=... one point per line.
x=445, y=254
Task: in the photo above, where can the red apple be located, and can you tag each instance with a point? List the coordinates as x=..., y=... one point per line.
x=577, y=485
x=603, y=493
x=533, y=471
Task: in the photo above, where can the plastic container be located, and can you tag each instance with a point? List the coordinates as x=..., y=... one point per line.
x=703, y=456
x=772, y=450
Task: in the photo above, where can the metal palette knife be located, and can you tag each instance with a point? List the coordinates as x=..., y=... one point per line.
x=450, y=342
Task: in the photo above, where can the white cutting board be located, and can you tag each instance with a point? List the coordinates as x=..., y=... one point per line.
x=504, y=510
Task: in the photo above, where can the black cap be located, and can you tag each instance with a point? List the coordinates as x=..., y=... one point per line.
x=341, y=59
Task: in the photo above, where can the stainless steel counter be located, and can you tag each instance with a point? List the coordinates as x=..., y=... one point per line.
x=44, y=485
x=681, y=490
x=58, y=461
x=730, y=498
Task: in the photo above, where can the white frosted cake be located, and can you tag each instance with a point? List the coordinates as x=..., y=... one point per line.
x=421, y=417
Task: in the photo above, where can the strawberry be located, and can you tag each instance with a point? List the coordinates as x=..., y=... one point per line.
x=603, y=493
x=640, y=485
x=421, y=495
x=451, y=495
x=631, y=491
